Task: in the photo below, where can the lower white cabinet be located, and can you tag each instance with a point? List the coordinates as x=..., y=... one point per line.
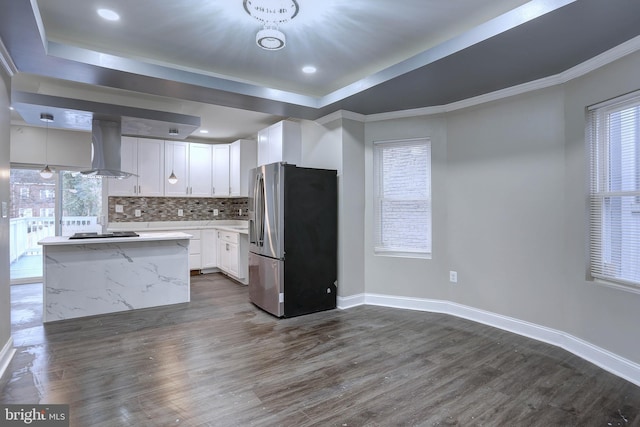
x=195, y=250
x=233, y=254
x=213, y=248
x=228, y=252
x=209, y=248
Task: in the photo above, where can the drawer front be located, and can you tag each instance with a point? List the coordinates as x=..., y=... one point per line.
x=228, y=236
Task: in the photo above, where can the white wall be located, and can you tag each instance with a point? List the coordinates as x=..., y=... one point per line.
x=510, y=213
x=62, y=147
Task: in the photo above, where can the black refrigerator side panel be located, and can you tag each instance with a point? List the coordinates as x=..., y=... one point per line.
x=310, y=240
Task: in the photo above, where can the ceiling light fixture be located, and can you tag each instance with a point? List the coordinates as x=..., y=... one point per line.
x=309, y=69
x=108, y=14
x=173, y=132
x=46, y=172
x=271, y=13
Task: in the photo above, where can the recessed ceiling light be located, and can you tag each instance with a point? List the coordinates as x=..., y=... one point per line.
x=108, y=14
x=309, y=69
x=204, y=131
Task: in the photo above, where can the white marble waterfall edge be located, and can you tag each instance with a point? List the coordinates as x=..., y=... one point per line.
x=98, y=278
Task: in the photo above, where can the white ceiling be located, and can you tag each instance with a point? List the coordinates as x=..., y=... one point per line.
x=199, y=58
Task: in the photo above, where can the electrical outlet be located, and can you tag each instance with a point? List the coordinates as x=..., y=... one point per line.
x=453, y=276
x=215, y=212
x=138, y=212
x=180, y=212
x=240, y=211
x=119, y=208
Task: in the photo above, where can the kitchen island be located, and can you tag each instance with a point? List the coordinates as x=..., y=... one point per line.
x=106, y=275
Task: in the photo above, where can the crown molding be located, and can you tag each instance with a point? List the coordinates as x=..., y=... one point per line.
x=341, y=114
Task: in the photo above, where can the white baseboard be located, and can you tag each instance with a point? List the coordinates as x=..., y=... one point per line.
x=350, y=301
x=605, y=359
x=6, y=354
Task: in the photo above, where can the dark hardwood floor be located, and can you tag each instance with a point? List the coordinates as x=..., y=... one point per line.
x=220, y=361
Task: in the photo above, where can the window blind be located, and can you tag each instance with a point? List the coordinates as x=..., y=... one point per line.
x=614, y=133
x=402, y=182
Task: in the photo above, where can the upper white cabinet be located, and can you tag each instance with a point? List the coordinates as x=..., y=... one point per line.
x=280, y=142
x=200, y=169
x=242, y=158
x=142, y=157
x=177, y=160
x=220, y=186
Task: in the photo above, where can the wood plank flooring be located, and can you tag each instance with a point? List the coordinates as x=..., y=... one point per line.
x=220, y=361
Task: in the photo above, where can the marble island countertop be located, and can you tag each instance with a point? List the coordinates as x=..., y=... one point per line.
x=142, y=237
x=235, y=226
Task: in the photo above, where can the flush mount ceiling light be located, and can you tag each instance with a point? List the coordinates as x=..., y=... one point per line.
x=173, y=132
x=108, y=14
x=271, y=13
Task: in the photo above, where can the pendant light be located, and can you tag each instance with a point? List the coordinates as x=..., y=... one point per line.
x=46, y=172
x=173, y=178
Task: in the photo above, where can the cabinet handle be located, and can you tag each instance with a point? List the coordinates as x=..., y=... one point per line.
x=229, y=190
x=213, y=190
x=139, y=189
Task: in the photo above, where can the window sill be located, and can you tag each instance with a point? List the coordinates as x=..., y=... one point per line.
x=410, y=255
x=621, y=286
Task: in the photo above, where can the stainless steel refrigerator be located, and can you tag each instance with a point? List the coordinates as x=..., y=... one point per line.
x=293, y=239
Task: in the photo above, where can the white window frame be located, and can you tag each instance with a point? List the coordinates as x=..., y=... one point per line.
x=614, y=261
x=420, y=217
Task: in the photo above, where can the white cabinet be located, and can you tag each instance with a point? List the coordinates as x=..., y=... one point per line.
x=209, y=248
x=177, y=161
x=280, y=142
x=145, y=158
x=200, y=170
x=220, y=186
x=233, y=254
x=195, y=249
x=192, y=165
x=242, y=158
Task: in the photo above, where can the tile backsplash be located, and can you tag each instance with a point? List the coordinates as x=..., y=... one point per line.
x=166, y=209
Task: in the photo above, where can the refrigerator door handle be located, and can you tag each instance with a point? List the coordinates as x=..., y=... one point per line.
x=260, y=210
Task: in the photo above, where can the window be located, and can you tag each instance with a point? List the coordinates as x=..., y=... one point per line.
x=24, y=193
x=614, y=134
x=47, y=194
x=402, y=185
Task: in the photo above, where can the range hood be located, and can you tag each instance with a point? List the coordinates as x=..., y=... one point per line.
x=105, y=154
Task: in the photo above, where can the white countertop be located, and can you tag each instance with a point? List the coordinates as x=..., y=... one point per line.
x=139, y=227
x=143, y=237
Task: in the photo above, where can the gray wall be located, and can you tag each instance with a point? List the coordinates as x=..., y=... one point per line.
x=5, y=296
x=418, y=278
x=510, y=213
x=339, y=144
